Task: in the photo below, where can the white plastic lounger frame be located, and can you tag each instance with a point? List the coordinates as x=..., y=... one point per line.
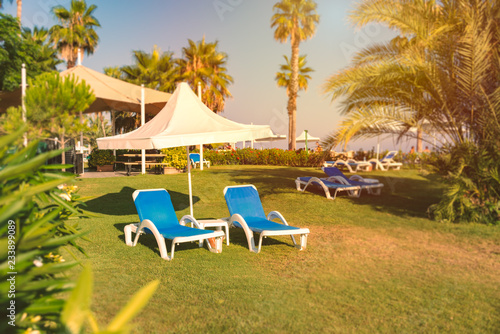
x=374, y=189
x=372, y=186
x=249, y=233
x=360, y=165
x=146, y=223
x=387, y=162
x=353, y=191
x=385, y=166
x=352, y=165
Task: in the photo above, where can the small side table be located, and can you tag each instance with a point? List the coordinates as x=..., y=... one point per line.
x=218, y=224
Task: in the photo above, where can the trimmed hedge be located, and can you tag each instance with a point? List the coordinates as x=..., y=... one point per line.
x=273, y=157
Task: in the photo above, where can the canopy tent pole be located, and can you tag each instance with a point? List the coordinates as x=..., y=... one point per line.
x=189, y=183
x=113, y=128
x=81, y=143
x=143, y=120
x=201, y=145
x=79, y=57
x=23, y=106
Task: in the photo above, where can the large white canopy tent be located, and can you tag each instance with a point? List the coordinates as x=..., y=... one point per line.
x=185, y=121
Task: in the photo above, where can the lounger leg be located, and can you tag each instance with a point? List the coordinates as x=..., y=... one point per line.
x=218, y=245
x=171, y=250
x=128, y=235
x=303, y=241
x=227, y=234
x=160, y=240
x=248, y=232
x=260, y=243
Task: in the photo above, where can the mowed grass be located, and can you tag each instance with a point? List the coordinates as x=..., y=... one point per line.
x=373, y=264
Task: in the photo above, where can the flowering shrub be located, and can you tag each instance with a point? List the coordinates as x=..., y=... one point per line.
x=175, y=157
x=273, y=157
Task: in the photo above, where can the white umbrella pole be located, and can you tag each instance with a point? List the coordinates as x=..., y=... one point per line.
x=189, y=183
x=143, y=120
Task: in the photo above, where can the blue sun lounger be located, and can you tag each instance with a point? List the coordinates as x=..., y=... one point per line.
x=157, y=216
x=372, y=186
x=327, y=185
x=247, y=213
x=195, y=160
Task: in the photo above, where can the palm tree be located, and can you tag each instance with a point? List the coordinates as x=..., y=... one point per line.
x=297, y=20
x=19, y=4
x=45, y=56
x=283, y=77
x=155, y=70
x=75, y=31
x=439, y=75
x=203, y=63
x=114, y=72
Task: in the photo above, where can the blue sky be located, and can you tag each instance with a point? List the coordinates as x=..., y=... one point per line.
x=243, y=30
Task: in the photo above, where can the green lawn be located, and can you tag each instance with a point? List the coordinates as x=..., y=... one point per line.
x=373, y=264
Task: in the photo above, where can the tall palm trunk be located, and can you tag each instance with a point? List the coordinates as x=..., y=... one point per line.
x=101, y=119
x=19, y=10
x=292, y=100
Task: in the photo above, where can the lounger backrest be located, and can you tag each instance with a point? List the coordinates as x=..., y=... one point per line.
x=245, y=201
x=194, y=156
x=390, y=155
x=156, y=206
x=334, y=171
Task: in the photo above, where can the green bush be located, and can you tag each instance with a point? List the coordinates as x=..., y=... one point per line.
x=33, y=227
x=101, y=158
x=35, y=209
x=175, y=157
x=472, y=176
x=273, y=157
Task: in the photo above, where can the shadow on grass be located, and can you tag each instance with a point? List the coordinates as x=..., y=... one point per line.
x=267, y=180
x=401, y=195
x=122, y=204
x=149, y=241
x=237, y=236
